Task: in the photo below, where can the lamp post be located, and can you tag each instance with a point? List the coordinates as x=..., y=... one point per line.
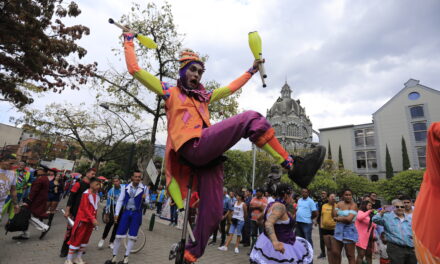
x=254, y=154
x=133, y=146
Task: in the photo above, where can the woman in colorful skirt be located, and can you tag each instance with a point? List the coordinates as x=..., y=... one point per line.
x=278, y=243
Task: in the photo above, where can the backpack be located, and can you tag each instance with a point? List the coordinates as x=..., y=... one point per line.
x=20, y=221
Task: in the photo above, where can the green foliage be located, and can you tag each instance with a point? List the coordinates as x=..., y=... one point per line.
x=111, y=169
x=329, y=151
x=238, y=169
x=405, y=159
x=388, y=165
x=82, y=167
x=406, y=182
x=340, y=159
x=335, y=180
x=35, y=47
x=224, y=108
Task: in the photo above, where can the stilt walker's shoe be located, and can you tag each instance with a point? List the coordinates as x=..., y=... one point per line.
x=305, y=168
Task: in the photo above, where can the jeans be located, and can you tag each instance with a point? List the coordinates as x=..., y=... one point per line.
x=304, y=230
x=158, y=208
x=401, y=255
x=173, y=210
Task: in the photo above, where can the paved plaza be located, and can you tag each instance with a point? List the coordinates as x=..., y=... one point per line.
x=35, y=251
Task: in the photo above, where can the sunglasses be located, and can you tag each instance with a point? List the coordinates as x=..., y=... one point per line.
x=401, y=207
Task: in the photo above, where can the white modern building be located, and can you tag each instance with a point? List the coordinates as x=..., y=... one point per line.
x=408, y=114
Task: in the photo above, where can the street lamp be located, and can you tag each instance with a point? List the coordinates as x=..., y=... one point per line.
x=133, y=146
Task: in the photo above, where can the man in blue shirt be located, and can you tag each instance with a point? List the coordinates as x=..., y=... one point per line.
x=398, y=233
x=228, y=208
x=109, y=212
x=306, y=212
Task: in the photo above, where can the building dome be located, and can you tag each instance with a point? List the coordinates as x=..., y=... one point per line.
x=293, y=128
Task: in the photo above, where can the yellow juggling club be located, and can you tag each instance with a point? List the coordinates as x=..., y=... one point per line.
x=256, y=48
x=144, y=40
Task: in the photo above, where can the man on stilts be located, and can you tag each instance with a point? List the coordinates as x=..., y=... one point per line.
x=192, y=137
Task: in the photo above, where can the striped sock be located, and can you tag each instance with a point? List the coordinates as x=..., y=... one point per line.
x=71, y=253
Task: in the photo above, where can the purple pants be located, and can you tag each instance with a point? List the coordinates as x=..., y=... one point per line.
x=215, y=140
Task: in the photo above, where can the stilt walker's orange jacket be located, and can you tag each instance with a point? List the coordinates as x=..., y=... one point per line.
x=426, y=215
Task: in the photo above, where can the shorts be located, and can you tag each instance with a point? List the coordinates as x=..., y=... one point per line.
x=54, y=197
x=327, y=232
x=346, y=233
x=236, y=228
x=129, y=222
x=81, y=233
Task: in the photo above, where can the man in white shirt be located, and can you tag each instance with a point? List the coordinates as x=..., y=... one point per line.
x=7, y=182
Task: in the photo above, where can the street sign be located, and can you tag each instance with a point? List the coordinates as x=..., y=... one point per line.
x=152, y=171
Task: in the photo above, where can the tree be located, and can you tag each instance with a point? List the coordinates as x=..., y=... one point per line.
x=98, y=134
x=329, y=151
x=406, y=182
x=35, y=46
x=388, y=165
x=340, y=160
x=238, y=169
x=405, y=159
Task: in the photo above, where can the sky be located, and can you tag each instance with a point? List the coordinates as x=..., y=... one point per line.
x=342, y=59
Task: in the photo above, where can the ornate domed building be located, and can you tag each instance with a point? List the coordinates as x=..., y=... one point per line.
x=292, y=126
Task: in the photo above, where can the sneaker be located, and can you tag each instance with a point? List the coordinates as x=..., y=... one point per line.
x=124, y=261
x=223, y=248
x=79, y=260
x=236, y=251
x=305, y=168
x=68, y=261
x=321, y=256
x=20, y=237
x=101, y=243
x=111, y=245
x=212, y=242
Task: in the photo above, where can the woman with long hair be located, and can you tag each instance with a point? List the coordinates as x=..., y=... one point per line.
x=346, y=234
x=278, y=243
x=55, y=191
x=327, y=225
x=238, y=216
x=365, y=228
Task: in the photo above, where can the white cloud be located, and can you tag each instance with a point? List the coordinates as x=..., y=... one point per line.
x=343, y=59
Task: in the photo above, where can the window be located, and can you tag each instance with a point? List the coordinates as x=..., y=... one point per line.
x=366, y=159
x=417, y=111
x=290, y=131
x=360, y=160
x=421, y=154
x=371, y=160
x=413, y=96
x=374, y=178
x=364, y=137
x=420, y=131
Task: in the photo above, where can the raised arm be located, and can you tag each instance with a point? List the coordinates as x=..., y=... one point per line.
x=146, y=78
x=226, y=91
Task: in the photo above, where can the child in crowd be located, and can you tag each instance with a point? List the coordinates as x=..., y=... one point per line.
x=382, y=242
x=85, y=222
